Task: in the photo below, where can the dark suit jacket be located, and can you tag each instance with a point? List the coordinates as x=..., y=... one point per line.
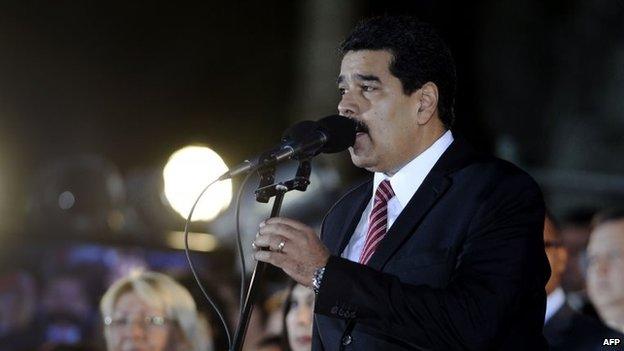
x=462, y=267
x=568, y=330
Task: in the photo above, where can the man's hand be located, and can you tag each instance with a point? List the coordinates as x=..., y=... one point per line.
x=292, y=246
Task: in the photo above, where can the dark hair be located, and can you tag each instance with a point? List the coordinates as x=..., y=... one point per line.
x=419, y=56
x=609, y=215
x=579, y=217
x=553, y=220
x=287, y=305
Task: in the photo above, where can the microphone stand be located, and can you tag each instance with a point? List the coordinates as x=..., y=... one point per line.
x=267, y=189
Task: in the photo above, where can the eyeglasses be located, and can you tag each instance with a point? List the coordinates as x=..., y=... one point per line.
x=148, y=322
x=608, y=257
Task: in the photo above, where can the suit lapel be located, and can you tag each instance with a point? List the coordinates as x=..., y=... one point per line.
x=430, y=191
x=359, y=199
x=427, y=195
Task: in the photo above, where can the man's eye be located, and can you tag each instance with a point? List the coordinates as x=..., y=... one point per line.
x=368, y=88
x=341, y=91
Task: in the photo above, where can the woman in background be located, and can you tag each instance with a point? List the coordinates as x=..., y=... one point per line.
x=150, y=311
x=298, y=316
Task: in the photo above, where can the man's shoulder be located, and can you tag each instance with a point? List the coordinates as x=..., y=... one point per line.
x=494, y=171
x=569, y=329
x=583, y=324
x=462, y=160
x=484, y=162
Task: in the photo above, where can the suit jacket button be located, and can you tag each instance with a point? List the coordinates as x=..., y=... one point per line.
x=346, y=340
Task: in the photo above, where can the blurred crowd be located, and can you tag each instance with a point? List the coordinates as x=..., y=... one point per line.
x=89, y=297
x=585, y=303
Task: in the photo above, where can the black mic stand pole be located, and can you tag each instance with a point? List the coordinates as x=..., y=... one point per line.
x=267, y=189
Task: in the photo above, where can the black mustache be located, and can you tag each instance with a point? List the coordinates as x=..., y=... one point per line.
x=360, y=127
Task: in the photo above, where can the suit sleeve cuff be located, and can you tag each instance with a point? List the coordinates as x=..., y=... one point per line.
x=336, y=288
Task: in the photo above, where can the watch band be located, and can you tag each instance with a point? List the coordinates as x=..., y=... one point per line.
x=318, y=279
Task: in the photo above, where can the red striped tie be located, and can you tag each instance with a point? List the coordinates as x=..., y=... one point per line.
x=377, y=221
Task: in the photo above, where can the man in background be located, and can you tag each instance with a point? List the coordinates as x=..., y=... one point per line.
x=605, y=272
x=564, y=328
x=575, y=230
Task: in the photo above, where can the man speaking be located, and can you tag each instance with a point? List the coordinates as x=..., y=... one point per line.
x=442, y=249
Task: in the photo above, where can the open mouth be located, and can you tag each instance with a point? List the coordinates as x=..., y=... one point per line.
x=360, y=127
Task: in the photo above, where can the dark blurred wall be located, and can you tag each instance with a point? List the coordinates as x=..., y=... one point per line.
x=133, y=81
x=552, y=88
x=540, y=83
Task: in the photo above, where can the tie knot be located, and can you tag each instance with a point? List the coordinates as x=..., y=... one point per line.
x=384, y=190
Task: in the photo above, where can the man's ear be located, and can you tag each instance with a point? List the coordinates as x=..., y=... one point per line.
x=426, y=102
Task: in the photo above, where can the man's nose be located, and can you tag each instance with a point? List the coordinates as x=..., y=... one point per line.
x=348, y=107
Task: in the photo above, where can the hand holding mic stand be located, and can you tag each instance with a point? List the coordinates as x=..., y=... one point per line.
x=301, y=142
x=267, y=188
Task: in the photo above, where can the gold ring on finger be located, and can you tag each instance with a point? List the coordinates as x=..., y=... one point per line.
x=280, y=247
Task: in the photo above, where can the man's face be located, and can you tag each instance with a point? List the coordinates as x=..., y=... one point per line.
x=557, y=256
x=373, y=96
x=605, y=280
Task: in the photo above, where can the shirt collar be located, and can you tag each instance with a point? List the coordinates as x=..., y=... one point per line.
x=408, y=179
x=554, y=302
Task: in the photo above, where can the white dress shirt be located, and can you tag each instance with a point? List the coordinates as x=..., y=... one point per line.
x=405, y=183
x=554, y=302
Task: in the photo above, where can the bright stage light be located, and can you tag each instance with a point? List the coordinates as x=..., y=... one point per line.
x=186, y=174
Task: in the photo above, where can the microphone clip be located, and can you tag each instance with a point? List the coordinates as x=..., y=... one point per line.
x=267, y=188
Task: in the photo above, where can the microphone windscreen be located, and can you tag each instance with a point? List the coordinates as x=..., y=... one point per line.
x=299, y=131
x=340, y=132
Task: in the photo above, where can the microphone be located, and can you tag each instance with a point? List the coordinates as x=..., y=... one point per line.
x=303, y=140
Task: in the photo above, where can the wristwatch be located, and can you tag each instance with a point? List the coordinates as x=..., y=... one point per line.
x=318, y=279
